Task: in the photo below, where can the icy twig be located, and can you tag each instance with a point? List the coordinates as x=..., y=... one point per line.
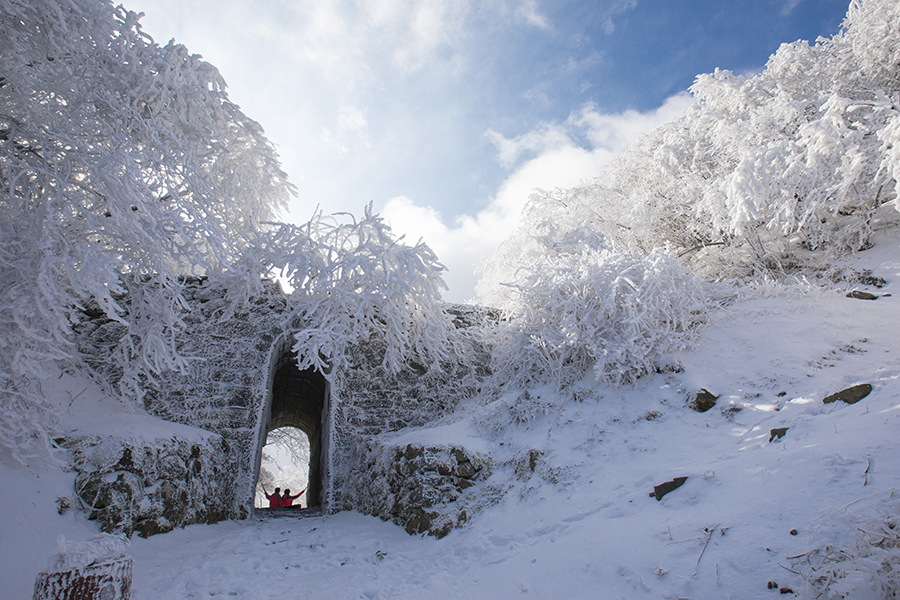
x=844, y=507
x=709, y=532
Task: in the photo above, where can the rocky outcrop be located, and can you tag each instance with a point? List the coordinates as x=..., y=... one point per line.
x=701, y=400
x=151, y=486
x=851, y=395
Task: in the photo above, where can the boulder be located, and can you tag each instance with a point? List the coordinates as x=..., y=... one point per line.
x=664, y=488
x=860, y=295
x=851, y=395
x=702, y=400
x=777, y=433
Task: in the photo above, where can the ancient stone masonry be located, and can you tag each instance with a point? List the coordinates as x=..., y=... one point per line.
x=424, y=489
x=244, y=382
x=150, y=486
x=226, y=388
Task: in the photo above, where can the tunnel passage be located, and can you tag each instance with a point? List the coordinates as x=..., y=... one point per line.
x=299, y=399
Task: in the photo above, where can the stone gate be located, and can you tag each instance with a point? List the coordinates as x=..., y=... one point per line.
x=244, y=382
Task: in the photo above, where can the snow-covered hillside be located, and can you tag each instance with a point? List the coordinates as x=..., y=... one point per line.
x=583, y=524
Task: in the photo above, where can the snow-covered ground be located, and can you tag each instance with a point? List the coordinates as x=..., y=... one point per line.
x=584, y=524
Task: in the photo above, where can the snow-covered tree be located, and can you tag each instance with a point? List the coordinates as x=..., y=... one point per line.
x=765, y=173
x=122, y=165
x=577, y=304
x=124, y=168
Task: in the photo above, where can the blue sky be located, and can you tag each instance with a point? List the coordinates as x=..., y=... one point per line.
x=445, y=114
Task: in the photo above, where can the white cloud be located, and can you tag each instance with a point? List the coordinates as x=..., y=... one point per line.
x=559, y=163
x=547, y=137
x=609, y=26
x=530, y=13
x=617, y=132
x=789, y=6
x=351, y=131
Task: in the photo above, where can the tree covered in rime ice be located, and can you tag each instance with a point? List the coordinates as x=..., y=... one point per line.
x=352, y=280
x=124, y=168
x=764, y=174
x=577, y=304
x=122, y=163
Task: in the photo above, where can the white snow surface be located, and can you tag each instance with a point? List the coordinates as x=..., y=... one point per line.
x=584, y=525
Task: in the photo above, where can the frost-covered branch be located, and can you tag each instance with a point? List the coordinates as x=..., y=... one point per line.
x=351, y=280
x=577, y=304
x=123, y=165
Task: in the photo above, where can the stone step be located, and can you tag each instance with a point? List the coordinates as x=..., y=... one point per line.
x=287, y=511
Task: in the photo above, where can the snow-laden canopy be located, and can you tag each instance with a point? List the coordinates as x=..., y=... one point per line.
x=766, y=175
x=762, y=170
x=124, y=167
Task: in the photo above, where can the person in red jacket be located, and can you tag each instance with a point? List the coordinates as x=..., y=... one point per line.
x=274, y=499
x=287, y=499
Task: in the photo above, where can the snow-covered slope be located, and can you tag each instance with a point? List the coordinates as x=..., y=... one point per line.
x=583, y=524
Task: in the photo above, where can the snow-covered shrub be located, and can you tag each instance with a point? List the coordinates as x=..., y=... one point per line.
x=513, y=408
x=123, y=165
x=861, y=560
x=578, y=304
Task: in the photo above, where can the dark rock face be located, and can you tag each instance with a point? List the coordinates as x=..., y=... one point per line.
x=702, y=400
x=777, y=433
x=664, y=488
x=152, y=486
x=851, y=395
x=860, y=295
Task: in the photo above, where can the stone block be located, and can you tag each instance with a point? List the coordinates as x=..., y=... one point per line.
x=105, y=581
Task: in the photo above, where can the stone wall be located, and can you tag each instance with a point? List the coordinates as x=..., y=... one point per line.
x=228, y=392
x=424, y=489
x=151, y=486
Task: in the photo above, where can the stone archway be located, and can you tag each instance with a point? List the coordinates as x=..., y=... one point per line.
x=301, y=399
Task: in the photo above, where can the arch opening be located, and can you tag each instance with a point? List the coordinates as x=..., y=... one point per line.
x=295, y=433
x=284, y=466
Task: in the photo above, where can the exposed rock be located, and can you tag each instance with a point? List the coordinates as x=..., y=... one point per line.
x=702, y=400
x=664, y=488
x=777, y=433
x=860, y=295
x=851, y=395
